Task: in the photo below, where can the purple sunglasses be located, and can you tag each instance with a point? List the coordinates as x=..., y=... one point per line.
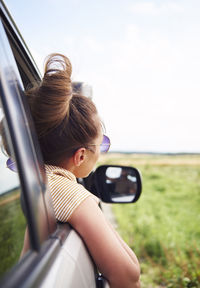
x=105, y=144
x=11, y=165
x=104, y=147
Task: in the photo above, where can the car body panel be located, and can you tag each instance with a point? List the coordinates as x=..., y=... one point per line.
x=73, y=266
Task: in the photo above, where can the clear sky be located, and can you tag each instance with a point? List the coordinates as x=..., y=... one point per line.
x=142, y=59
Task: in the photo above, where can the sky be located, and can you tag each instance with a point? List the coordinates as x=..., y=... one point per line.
x=142, y=59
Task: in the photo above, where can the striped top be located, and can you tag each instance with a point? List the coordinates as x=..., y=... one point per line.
x=66, y=193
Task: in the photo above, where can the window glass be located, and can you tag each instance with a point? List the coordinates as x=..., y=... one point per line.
x=12, y=220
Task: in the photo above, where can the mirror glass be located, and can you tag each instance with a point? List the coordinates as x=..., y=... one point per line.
x=122, y=182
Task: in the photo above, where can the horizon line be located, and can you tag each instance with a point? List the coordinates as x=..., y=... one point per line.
x=155, y=152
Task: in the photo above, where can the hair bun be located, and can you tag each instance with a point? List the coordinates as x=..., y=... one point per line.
x=58, y=63
x=50, y=102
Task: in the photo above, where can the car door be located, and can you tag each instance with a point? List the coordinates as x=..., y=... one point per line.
x=55, y=254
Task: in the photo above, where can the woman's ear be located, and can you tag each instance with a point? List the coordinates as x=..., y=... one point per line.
x=79, y=156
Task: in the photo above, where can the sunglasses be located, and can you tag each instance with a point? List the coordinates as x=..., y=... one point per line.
x=105, y=144
x=104, y=147
x=11, y=165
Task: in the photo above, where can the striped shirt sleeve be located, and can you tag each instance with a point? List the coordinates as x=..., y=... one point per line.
x=66, y=196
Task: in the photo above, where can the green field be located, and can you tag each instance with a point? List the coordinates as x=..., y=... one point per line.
x=163, y=227
x=12, y=227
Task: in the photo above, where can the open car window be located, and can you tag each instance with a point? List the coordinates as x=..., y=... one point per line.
x=23, y=196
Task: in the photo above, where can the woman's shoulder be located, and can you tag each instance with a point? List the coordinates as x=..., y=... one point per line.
x=66, y=193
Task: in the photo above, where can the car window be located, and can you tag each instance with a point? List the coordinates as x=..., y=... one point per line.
x=12, y=220
x=33, y=206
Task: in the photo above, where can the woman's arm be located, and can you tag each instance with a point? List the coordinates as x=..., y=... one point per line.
x=126, y=247
x=114, y=259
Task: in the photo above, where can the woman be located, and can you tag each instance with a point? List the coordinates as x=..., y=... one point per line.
x=70, y=135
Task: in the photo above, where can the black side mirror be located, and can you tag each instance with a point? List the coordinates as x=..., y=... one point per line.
x=115, y=184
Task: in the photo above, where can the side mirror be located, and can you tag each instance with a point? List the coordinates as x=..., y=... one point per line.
x=115, y=184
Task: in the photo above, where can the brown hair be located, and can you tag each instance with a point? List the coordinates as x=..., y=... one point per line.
x=64, y=120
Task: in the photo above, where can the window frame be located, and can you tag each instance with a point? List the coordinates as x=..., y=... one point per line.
x=17, y=122
x=43, y=247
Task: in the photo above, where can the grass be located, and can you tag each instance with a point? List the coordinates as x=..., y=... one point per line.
x=12, y=230
x=163, y=227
